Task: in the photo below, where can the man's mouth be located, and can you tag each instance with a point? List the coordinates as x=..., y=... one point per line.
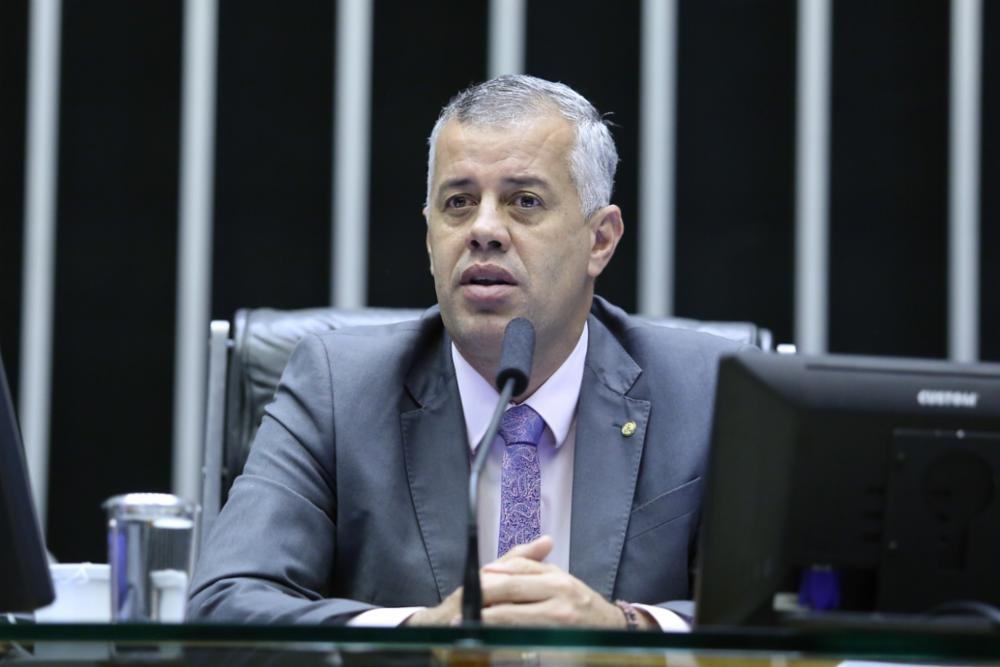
x=487, y=285
x=487, y=281
x=487, y=275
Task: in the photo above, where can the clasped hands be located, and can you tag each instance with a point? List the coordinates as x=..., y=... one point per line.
x=519, y=589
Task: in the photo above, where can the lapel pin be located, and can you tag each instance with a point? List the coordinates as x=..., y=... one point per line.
x=628, y=428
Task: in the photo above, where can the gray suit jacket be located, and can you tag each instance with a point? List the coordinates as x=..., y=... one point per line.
x=355, y=491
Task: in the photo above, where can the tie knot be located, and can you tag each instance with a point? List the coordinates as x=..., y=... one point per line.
x=521, y=426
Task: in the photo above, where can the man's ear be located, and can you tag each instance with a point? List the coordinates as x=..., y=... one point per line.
x=606, y=230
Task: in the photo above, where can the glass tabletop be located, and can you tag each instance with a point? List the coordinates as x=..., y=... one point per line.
x=249, y=644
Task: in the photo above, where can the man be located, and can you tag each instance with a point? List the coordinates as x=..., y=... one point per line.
x=352, y=504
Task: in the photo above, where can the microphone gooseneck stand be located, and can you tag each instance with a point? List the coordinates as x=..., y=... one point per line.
x=512, y=379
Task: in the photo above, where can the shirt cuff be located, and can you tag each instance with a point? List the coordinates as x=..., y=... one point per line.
x=384, y=617
x=666, y=619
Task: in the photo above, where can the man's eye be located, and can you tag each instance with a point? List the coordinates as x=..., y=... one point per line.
x=458, y=201
x=527, y=201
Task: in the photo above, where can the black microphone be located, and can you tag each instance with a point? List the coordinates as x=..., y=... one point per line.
x=516, y=355
x=512, y=379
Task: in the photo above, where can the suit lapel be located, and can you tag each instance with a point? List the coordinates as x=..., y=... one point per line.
x=437, y=462
x=606, y=462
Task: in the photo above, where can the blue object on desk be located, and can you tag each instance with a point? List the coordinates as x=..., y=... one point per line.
x=819, y=588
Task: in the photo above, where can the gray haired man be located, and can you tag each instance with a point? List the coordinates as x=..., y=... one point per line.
x=351, y=507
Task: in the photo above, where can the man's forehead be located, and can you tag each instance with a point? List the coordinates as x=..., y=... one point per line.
x=530, y=148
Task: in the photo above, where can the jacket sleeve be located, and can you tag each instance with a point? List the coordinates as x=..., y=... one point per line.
x=270, y=556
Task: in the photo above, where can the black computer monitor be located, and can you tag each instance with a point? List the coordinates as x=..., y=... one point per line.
x=25, y=583
x=849, y=484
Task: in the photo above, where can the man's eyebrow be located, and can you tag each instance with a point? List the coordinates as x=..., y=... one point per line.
x=526, y=181
x=463, y=182
x=454, y=183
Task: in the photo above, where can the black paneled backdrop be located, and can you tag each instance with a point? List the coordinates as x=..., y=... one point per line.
x=117, y=203
x=990, y=183
x=273, y=147
x=889, y=178
x=13, y=72
x=116, y=255
x=736, y=162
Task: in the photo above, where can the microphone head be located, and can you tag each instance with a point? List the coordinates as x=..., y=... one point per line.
x=516, y=355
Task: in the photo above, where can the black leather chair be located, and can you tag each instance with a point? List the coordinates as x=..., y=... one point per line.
x=244, y=369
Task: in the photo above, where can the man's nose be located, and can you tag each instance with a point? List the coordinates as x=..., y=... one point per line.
x=489, y=228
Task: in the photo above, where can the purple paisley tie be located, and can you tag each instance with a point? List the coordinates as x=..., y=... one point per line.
x=520, y=482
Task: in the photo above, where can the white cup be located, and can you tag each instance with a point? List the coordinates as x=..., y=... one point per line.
x=83, y=594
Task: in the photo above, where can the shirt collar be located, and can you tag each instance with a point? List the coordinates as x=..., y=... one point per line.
x=555, y=401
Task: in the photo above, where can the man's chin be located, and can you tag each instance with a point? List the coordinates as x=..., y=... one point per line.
x=480, y=334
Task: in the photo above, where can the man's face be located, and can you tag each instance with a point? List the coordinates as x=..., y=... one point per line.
x=506, y=236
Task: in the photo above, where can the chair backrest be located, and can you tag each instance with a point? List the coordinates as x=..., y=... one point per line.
x=263, y=340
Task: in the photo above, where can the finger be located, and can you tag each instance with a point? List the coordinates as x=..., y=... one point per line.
x=546, y=613
x=519, y=566
x=439, y=615
x=537, y=549
x=504, y=589
x=555, y=611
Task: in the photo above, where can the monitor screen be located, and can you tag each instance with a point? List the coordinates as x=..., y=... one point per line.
x=25, y=583
x=849, y=484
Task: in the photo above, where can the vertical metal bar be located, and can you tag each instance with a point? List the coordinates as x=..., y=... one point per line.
x=657, y=156
x=349, y=274
x=506, y=37
x=40, y=190
x=812, y=176
x=194, y=255
x=963, y=177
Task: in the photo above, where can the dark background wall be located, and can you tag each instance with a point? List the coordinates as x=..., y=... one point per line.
x=117, y=202
x=736, y=162
x=989, y=215
x=273, y=148
x=13, y=72
x=889, y=178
